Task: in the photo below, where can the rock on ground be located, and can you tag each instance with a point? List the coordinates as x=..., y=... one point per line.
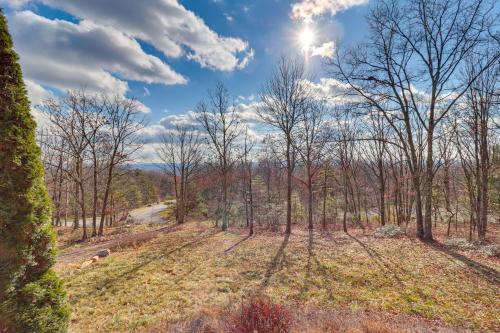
x=103, y=253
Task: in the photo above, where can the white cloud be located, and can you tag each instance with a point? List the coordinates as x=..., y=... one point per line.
x=246, y=60
x=152, y=133
x=148, y=153
x=36, y=93
x=326, y=50
x=307, y=9
x=330, y=90
x=142, y=107
x=14, y=3
x=186, y=119
x=66, y=55
x=167, y=25
x=247, y=113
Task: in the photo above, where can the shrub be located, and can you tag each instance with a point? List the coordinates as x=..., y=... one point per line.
x=491, y=250
x=389, y=230
x=31, y=295
x=262, y=317
x=40, y=306
x=460, y=243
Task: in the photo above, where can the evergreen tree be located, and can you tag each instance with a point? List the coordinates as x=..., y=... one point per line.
x=32, y=298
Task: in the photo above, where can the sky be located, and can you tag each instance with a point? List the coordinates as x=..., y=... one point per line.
x=169, y=53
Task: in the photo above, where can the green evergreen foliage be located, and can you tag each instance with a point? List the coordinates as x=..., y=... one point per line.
x=31, y=296
x=134, y=188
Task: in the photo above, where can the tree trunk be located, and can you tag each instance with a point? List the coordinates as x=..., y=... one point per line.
x=310, y=198
x=429, y=175
x=344, y=219
x=324, y=199
x=76, y=222
x=94, y=199
x=225, y=222
x=83, y=212
x=381, y=191
x=105, y=200
x=251, y=199
x=288, y=229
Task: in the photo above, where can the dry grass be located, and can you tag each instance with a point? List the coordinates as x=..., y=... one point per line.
x=196, y=268
x=67, y=237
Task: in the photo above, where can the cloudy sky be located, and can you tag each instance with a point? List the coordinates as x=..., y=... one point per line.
x=167, y=53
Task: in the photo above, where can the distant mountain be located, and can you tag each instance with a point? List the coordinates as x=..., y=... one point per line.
x=145, y=166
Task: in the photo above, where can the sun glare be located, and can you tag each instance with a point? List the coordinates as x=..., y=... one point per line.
x=306, y=38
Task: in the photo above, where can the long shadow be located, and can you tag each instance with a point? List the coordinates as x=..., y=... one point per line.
x=320, y=267
x=111, y=281
x=392, y=269
x=278, y=260
x=237, y=243
x=119, y=242
x=481, y=270
x=310, y=255
x=379, y=260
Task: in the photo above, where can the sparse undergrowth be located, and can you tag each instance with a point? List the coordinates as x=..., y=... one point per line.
x=197, y=267
x=389, y=230
x=491, y=250
x=168, y=213
x=303, y=320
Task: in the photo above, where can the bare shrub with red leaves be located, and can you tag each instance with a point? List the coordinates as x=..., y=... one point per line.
x=260, y=316
x=3, y=327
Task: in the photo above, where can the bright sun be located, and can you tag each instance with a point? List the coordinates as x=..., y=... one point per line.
x=306, y=38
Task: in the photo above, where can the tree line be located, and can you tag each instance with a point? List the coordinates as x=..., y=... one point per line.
x=87, y=142
x=410, y=134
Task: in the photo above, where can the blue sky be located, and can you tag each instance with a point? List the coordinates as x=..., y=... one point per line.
x=168, y=53
x=266, y=26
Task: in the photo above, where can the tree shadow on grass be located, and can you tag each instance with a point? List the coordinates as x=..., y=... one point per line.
x=391, y=268
x=237, y=243
x=324, y=271
x=109, y=282
x=275, y=265
x=486, y=272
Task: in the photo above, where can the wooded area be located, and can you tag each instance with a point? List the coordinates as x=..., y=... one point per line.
x=411, y=137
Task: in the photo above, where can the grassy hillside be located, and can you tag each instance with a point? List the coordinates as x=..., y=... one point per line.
x=195, y=267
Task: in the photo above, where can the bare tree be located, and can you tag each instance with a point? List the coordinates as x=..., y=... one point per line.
x=408, y=71
x=311, y=139
x=476, y=134
x=376, y=157
x=447, y=155
x=121, y=139
x=284, y=99
x=94, y=138
x=182, y=155
x=247, y=164
x=217, y=116
x=69, y=121
x=345, y=136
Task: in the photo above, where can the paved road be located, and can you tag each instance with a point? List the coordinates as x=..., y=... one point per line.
x=143, y=215
x=151, y=214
